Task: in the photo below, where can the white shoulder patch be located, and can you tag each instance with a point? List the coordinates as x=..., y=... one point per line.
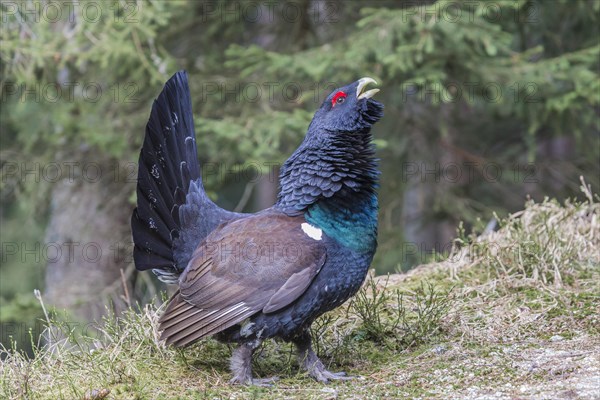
x=312, y=231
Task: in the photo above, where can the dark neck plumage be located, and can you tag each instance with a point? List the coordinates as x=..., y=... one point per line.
x=332, y=179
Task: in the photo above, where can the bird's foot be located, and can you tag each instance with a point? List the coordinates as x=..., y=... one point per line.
x=249, y=381
x=312, y=364
x=321, y=374
x=264, y=381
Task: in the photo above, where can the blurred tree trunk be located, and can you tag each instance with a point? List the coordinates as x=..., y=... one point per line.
x=89, y=224
x=428, y=225
x=266, y=192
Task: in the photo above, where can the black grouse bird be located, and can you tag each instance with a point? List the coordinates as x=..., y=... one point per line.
x=248, y=277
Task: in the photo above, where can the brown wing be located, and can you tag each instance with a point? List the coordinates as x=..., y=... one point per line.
x=260, y=263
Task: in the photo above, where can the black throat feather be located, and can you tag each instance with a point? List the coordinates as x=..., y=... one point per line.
x=334, y=166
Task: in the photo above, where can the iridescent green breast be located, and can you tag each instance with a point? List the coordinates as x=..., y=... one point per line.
x=356, y=228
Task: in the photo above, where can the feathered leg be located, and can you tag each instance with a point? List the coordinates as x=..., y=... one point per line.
x=241, y=365
x=311, y=363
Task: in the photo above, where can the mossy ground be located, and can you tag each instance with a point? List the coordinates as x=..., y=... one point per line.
x=514, y=315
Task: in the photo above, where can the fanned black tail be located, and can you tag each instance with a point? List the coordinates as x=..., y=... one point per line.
x=168, y=163
x=173, y=213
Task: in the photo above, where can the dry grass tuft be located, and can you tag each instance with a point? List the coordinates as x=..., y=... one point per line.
x=513, y=314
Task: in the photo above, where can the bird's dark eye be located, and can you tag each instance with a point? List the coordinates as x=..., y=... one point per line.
x=338, y=98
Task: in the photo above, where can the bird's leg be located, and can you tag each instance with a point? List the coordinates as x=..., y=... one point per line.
x=311, y=363
x=241, y=365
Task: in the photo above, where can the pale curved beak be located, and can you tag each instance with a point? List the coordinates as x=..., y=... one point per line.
x=362, y=84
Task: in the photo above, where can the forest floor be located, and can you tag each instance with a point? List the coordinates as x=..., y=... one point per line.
x=514, y=314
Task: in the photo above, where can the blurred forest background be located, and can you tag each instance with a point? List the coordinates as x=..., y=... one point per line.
x=487, y=103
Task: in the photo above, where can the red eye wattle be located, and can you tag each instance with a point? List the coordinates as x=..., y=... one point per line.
x=338, y=98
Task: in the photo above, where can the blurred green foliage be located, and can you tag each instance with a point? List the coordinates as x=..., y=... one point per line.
x=487, y=83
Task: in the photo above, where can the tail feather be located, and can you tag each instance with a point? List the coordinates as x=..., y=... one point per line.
x=168, y=162
x=173, y=213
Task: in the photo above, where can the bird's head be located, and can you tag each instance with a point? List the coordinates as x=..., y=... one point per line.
x=349, y=108
x=336, y=162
